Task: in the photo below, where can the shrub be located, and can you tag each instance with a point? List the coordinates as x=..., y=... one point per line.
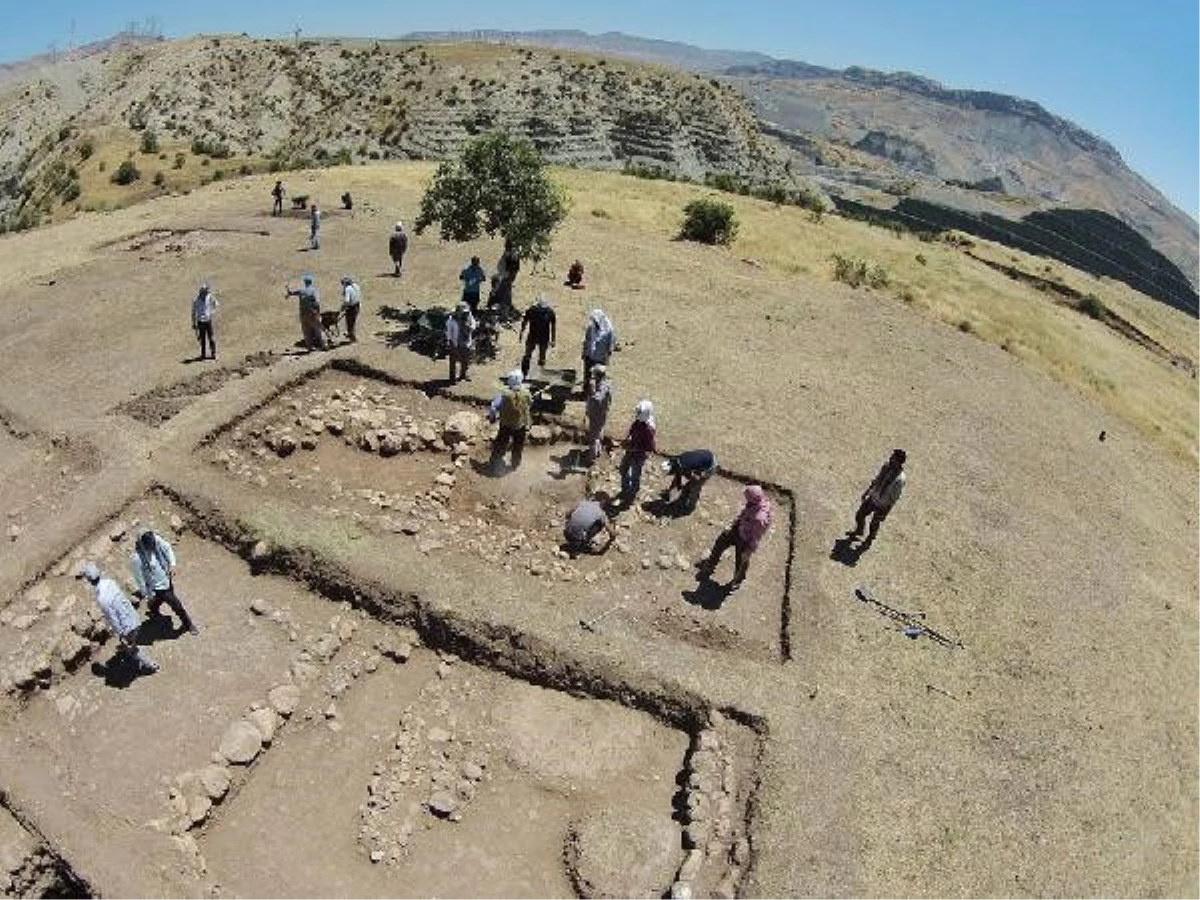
x=1093, y=306
x=72, y=192
x=179, y=158
x=149, y=141
x=103, y=165
x=159, y=179
x=966, y=327
x=709, y=222
x=127, y=173
x=857, y=272
x=246, y=169
x=86, y=148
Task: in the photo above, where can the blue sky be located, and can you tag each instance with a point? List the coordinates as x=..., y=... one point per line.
x=1126, y=70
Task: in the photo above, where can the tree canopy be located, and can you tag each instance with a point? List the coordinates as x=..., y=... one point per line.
x=498, y=186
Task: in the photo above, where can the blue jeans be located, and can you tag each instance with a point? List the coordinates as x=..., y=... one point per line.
x=631, y=474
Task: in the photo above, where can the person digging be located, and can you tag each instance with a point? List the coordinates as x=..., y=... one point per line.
x=691, y=471
x=585, y=523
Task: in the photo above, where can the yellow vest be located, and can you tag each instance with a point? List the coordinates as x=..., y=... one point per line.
x=515, y=407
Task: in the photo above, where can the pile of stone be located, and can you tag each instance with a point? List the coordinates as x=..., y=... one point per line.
x=717, y=849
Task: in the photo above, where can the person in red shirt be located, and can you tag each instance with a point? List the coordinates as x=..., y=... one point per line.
x=639, y=444
x=744, y=535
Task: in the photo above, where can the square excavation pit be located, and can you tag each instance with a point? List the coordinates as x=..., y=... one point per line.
x=410, y=468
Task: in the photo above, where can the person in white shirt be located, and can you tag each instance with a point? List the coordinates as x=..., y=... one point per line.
x=153, y=565
x=122, y=618
x=351, y=304
x=880, y=496
x=203, y=308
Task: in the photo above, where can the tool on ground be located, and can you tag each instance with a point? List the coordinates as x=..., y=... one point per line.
x=590, y=624
x=912, y=622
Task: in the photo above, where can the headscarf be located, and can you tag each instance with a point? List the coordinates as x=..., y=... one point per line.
x=645, y=413
x=399, y=226
x=600, y=320
x=514, y=378
x=755, y=518
x=308, y=280
x=541, y=300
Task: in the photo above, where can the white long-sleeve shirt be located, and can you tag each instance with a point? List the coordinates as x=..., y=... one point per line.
x=351, y=294
x=204, y=306
x=453, y=338
x=153, y=574
x=117, y=608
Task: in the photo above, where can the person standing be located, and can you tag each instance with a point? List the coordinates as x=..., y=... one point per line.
x=122, y=618
x=311, y=334
x=460, y=340
x=744, y=535
x=585, y=523
x=314, y=228
x=638, y=443
x=397, y=247
x=277, y=193
x=542, y=324
x=513, y=408
x=351, y=304
x=472, y=278
x=599, y=399
x=153, y=565
x=203, y=308
x=599, y=339
x=880, y=496
x=691, y=469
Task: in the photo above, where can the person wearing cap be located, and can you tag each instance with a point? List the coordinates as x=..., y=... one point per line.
x=460, y=340
x=311, y=333
x=584, y=524
x=122, y=618
x=203, y=308
x=513, y=409
x=314, y=228
x=744, y=535
x=351, y=304
x=691, y=469
x=397, y=246
x=153, y=566
x=472, y=278
x=599, y=400
x=880, y=496
x=638, y=443
x=599, y=341
x=541, y=322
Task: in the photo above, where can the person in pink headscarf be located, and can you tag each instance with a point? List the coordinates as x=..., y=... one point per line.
x=744, y=535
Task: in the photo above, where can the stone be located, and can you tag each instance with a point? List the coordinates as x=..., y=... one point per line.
x=38, y=593
x=472, y=771
x=540, y=434
x=442, y=803
x=308, y=442
x=176, y=524
x=430, y=545
x=72, y=648
x=666, y=561
x=444, y=478
x=259, y=607
x=284, y=699
x=241, y=743
x=260, y=551
x=462, y=426
x=681, y=890
x=24, y=621
x=198, y=808
x=622, y=852
x=118, y=531
x=691, y=865
x=390, y=444
x=215, y=780
x=335, y=427
x=331, y=711
x=14, y=531
x=285, y=445
x=398, y=652
x=438, y=735
x=368, y=441
x=266, y=721
x=427, y=436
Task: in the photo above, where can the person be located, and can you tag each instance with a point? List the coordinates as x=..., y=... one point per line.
x=397, y=246
x=744, y=535
x=599, y=399
x=508, y=265
x=691, y=469
x=314, y=228
x=122, y=618
x=584, y=524
x=351, y=304
x=347, y=201
x=472, y=278
x=880, y=496
x=541, y=321
x=512, y=407
x=638, y=443
x=599, y=339
x=575, y=276
x=311, y=333
x=460, y=340
x=277, y=193
x=153, y=565
x=203, y=309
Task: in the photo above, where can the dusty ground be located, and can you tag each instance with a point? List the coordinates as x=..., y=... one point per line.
x=1054, y=753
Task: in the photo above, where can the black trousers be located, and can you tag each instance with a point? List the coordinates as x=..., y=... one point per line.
x=539, y=343
x=351, y=321
x=167, y=596
x=876, y=512
x=508, y=434
x=204, y=332
x=741, y=559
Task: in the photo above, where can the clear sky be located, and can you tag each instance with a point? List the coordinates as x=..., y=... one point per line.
x=1126, y=70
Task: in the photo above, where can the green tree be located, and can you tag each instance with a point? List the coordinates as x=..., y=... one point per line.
x=126, y=173
x=498, y=186
x=709, y=222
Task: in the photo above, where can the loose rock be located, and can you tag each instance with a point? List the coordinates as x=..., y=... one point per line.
x=241, y=743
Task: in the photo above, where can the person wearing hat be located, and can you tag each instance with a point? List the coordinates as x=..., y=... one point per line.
x=472, y=278
x=122, y=618
x=203, y=308
x=311, y=334
x=541, y=322
x=314, y=228
x=585, y=523
x=460, y=340
x=397, y=246
x=880, y=496
x=691, y=469
x=599, y=400
x=744, y=535
x=351, y=304
x=599, y=341
x=513, y=409
x=153, y=565
x=638, y=443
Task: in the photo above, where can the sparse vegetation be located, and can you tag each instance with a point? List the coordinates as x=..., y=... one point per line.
x=709, y=222
x=858, y=272
x=127, y=173
x=149, y=141
x=1092, y=306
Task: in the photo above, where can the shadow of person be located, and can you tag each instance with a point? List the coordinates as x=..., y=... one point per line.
x=119, y=672
x=662, y=507
x=707, y=594
x=157, y=627
x=846, y=551
x=484, y=468
x=569, y=463
x=434, y=386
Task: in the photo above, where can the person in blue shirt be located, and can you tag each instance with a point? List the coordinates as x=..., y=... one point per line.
x=691, y=469
x=472, y=278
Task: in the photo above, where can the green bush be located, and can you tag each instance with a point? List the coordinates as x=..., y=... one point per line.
x=179, y=159
x=857, y=272
x=127, y=173
x=72, y=192
x=159, y=179
x=709, y=222
x=1093, y=306
x=149, y=141
x=86, y=148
